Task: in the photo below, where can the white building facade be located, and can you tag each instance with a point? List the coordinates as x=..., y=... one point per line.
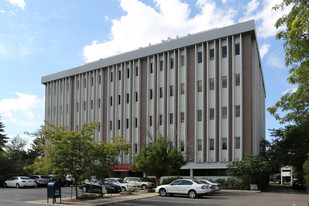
x=205, y=92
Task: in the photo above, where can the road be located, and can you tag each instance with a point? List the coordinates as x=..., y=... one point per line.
x=18, y=197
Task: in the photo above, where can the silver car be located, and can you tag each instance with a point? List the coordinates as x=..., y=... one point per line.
x=20, y=181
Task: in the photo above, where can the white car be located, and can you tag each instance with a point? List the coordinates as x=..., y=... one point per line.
x=20, y=181
x=121, y=183
x=193, y=188
x=215, y=186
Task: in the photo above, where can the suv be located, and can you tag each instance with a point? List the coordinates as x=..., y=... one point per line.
x=139, y=182
x=41, y=179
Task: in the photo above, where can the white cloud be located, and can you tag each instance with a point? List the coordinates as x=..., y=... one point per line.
x=143, y=24
x=263, y=14
x=20, y=109
x=264, y=49
x=19, y=3
x=292, y=90
x=275, y=59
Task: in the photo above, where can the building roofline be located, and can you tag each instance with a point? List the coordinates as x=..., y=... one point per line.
x=165, y=46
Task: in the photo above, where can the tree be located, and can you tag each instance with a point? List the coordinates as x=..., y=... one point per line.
x=296, y=46
x=306, y=171
x=252, y=170
x=76, y=153
x=3, y=137
x=158, y=158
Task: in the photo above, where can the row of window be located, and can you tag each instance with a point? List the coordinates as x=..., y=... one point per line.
x=223, y=143
x=223, y=53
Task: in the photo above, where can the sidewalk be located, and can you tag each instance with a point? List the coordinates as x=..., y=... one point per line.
x=107, y=199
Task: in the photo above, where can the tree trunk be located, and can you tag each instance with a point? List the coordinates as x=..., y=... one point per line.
x=157, y=181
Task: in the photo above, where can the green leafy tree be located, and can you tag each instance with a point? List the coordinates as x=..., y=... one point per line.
x=306, y=171
x=158, y=159
x=295, y=35
x=3, y=137
x=252, y=170
x=76, y=153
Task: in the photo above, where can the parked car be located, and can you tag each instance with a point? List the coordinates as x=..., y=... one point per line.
x=216, y=186
x=298, y=185
x=139, y=182
x=192, y=188
x=41, y=179
x=121, y=183
x=96, y=186
x=20, y=181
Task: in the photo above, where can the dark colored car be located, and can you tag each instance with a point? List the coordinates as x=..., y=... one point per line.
x=298, y=185
x=41, y=180
x=96, y=186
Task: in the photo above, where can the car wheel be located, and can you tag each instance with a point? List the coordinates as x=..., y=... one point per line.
x=123, y=189
x=144, y=187
x=4, y=185
x=17, y=185
x=162, y=192
x=84, y=189
x=192, y=194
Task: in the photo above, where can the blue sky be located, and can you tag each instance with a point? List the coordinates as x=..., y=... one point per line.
x=41, y=37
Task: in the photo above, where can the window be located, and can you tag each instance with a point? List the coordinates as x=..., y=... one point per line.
x=224, y=51
x=224, y=143
x=128, y=98
x=91, y=104
x=118, y=124
x=136, y=70
x=211, y=144
x=224, y=82
x=151, y=67
x=160, y=119
x=119, y=75
x=182, y=145
x=182, y=117
x=211, y=113
x=99, y=103
x=199, y=57
x=161, y=92
x=161, y=65
x=171, y=63
x=237, y=111
x=135, y=122
x=127, y=123
x=199, y=115
x=150, y=121
x=211, y=54
x=100, y=79
x=111, y=101
x=111, y=76
x=92, y=81
x=237, y=142
x=171, y=90
x=171, y=118
x=135, y=148
x=128, y=73
x=199, y=145
x=136, y=97
x=237, y=49
x=110, y=125
x=119, y=99
x=99, y=127
x=85, y=83
x=224, y=112
x=237, y=79
x=77, y=84
x=211, y=83
x=182, y=60
x=150, y=94
x=84, y=105
x=182, y=88
x=199, y=86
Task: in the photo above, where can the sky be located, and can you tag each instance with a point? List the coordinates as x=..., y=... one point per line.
x=41, y=37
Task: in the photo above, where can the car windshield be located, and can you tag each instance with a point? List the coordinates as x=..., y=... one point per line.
x=24, y=178
x=121, y=181
x=43, y=176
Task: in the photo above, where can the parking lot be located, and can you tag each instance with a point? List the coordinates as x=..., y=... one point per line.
x=276, y=196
